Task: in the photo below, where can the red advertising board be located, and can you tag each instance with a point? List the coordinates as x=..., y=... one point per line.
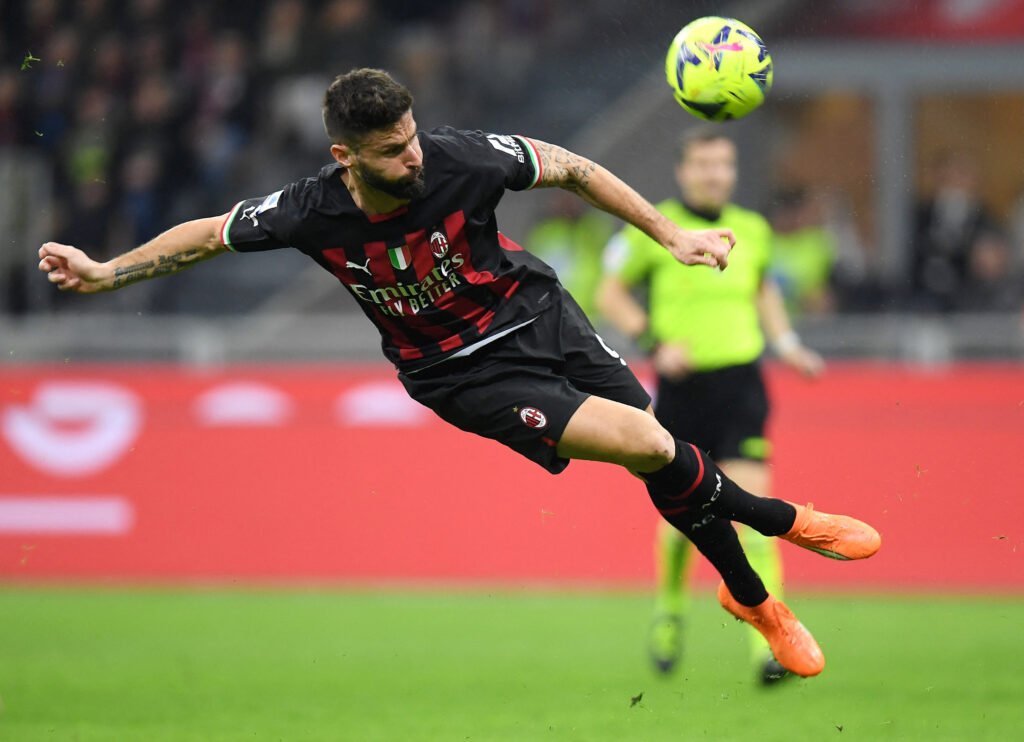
x=330, y=473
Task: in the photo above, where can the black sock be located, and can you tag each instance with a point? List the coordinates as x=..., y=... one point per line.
x=692, y=485
x=717, y=541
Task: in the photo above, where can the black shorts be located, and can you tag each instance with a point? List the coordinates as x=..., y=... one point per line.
x=724, y=412
x=522, y=389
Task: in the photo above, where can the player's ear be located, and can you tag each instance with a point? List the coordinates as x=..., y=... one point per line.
x=343, y=154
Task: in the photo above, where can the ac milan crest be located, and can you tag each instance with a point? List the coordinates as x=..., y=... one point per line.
x=438, y=245
x=532, y=417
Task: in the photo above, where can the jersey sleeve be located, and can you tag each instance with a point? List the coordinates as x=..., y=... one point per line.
x=630, y=256
x=510, y=158
x=264, y=223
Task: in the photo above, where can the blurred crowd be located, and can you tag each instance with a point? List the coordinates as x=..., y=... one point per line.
x=963, y=257
x=960, y=257
x=120, y=118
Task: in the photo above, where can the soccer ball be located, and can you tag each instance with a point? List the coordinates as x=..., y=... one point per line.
x=718, y=68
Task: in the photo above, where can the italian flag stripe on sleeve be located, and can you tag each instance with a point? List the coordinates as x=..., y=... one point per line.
x=531, y=149
x=225, y=228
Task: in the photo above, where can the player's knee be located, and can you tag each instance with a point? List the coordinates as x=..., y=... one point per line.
x=655, y=448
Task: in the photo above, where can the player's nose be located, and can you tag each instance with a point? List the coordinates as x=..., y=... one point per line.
x=413, y=157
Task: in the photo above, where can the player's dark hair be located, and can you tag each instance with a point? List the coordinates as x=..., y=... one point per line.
x=699, y=135
x=361, y=101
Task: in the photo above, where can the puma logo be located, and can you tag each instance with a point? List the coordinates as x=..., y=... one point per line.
x=364, y=267
x=250, y=212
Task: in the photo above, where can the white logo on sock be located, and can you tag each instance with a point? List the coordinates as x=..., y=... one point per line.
x=718, y=491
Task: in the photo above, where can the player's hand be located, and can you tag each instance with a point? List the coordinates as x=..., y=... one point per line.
x=671, y=361
x=702, y=247
x=804, y=360
x=70, y=269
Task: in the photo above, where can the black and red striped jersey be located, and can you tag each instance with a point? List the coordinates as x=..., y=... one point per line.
x=436, y=276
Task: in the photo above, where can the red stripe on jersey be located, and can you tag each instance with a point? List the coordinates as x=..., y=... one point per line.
x=407, y=350
x=451, y=343
x=455, y=226
x=462, y=307
x=508, y=244
x=387, y=278
x=409, y=354
x=484, y=322
x=336, y=257
x=423, y=264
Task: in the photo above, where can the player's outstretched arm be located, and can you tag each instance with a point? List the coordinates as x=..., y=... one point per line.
x=70, y=269
x=598, y=187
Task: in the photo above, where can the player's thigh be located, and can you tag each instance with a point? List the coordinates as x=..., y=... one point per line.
x=606, y=430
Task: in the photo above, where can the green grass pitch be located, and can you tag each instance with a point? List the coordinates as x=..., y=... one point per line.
x=354, y=665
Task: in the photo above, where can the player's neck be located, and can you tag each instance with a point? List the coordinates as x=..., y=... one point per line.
x=369, y=200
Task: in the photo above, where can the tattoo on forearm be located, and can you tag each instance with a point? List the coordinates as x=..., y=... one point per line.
x=564, y=168
x=163, y=265
x=130, y=273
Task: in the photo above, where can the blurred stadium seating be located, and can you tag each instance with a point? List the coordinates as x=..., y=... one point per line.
x=128, y=116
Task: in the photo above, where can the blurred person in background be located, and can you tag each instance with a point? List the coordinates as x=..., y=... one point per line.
x=481, y=331
x=803, y=252
x=142, y=198
x=347, y=34
x=11, y=104
x=225, y=110
x=570, y=239
x=946, y=225
x=109, y=66
x=283, y=48
x=993, y=283
x=703, y=330
x=421, y=57
x=1015, y=233
x=196, y=86
x=14, y=207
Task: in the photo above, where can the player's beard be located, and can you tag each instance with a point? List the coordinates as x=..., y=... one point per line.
x=402, y=188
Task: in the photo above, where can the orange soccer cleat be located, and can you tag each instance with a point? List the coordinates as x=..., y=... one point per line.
x=792, y=644
x=833, y=536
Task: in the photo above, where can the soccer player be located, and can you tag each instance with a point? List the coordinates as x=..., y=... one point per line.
x=705, y=339
x=480, y=331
